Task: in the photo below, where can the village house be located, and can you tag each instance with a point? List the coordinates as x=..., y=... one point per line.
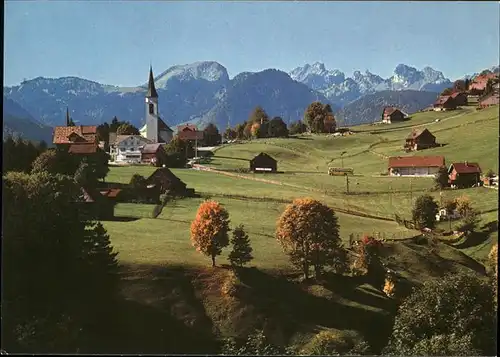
x=155, y=129
x=189, y=132
x=419, y=139
x=95, y=204
x=154, y=154
x=77, y=139
x=460, y=98
x=263, y=163
x=464, y=174
x=415, y=165
x=392, y=114
x=443, y=215
x=444, y=103
x=163, y=180
x=126, y=148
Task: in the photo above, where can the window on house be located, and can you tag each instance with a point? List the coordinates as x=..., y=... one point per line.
x=151, y=108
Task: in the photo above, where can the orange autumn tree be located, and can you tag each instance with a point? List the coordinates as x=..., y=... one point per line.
x=209, y=230
x=308, y=231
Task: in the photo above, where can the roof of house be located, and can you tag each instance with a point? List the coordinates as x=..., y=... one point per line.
x=465, y=167
x=62, y=133
x=151, y=148
x=119, y=138
x=443, y=99
x=456, y=94
x=185, y=127
x=83, y=148
x=263, y=155
x=391, y=110
x=166, y=177
x=416, y=161
x=110, y=192
x=415, y=133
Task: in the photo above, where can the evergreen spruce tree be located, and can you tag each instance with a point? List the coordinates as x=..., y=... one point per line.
x=242, y=251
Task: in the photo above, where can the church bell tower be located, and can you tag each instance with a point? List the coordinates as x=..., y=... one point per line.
x=151, y=109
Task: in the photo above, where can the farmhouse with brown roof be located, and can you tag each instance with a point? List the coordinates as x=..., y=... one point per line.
x=153, y=154
x=419, y=139
x=464, y=174
x=163, y=180
x=189, y=132
x=263, y=163
x=460, y=98
x=391, y=115
x=415, y=165
x=445, y=102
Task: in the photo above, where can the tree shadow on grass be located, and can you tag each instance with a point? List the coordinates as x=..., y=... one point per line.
x=288, y=304
x=479, y=237
x=160, y=313
x=121, y=219
x=228, y=157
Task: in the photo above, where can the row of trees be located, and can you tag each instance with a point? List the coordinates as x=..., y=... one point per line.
x=308, y=231
x=19, y=154
x=318, y=118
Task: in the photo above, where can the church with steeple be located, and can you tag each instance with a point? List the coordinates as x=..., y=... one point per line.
x=155, y=129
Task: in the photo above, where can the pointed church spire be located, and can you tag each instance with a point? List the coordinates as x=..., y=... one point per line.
x=151, y=85
x=67, y=117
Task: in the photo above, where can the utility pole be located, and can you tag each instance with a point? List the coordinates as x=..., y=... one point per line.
x=390, y=195
x=347, y=183
x=342, y=157
x=411, y=191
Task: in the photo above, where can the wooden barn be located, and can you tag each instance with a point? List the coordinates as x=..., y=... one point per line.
x=97, y=204
x=392, y=115
x=263, y=163
x=153, y=154
x=464, y=174
x=415, y=165
x=163, y=180
x=445, y=103
x=460, y=98
x=419, y=139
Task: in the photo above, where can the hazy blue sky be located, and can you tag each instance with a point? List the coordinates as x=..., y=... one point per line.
x=113, y=42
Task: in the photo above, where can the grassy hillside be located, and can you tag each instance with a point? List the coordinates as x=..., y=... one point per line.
x=167, y=283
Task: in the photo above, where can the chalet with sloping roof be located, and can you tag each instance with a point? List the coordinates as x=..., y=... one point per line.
x=415, y=165
x=419, y=139
x=263, y=163
x=464, y=174
x=444, y=103
x=94, y=204
x=163, y=180
x=153, y=154
x=392, y=114
x=127, y=148
x=189, y=132
x=460, y=98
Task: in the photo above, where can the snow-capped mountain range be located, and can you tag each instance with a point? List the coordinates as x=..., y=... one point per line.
x=202, y=92
x=341, y=90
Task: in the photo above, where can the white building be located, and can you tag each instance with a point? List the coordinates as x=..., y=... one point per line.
x=127, y=148
x=155, y=129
